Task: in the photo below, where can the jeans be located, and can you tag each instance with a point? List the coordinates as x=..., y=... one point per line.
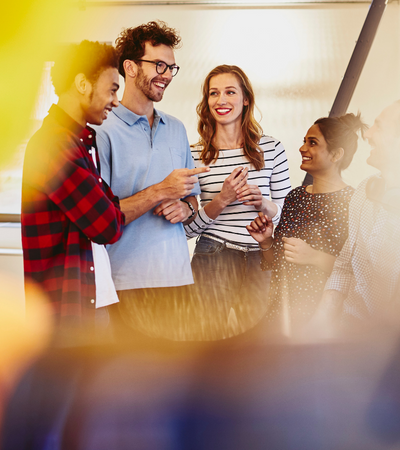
x=230, y=288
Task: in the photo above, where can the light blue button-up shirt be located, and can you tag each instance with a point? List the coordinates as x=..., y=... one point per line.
x=152, y=252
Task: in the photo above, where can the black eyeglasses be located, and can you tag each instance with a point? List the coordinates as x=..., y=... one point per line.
x=161, y=67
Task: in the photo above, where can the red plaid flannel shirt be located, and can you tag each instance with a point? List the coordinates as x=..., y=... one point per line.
x=65, y=206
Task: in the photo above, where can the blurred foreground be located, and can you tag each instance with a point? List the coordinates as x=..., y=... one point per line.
x=246, y=392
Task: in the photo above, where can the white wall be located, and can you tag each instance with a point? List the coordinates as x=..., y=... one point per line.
x=11, y=265
x=295, y=57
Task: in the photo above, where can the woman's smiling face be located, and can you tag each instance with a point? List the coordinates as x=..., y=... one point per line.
x=314, y=152
x=225, y=99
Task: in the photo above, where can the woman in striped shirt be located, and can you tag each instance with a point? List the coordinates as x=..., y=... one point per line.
x=249, y=174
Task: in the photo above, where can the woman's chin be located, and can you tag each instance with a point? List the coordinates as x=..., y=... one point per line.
x=304, y=167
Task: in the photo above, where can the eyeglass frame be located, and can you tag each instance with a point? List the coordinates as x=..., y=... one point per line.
x=171, y=67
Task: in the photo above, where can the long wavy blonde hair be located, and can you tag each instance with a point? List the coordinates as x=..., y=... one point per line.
x=251, y=129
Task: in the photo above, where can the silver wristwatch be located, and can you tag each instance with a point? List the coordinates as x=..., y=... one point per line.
x=191, y=209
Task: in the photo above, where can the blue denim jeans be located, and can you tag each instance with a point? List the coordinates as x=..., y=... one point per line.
x=230, y=287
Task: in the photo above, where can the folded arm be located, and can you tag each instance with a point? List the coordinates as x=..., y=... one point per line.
x=80, y=194
x=178, y=184
x=299, y=252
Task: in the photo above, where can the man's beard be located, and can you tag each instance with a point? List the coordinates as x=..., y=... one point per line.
x=144, y=84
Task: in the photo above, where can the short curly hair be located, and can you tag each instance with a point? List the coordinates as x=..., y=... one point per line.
x=130, y=44
x=89, y=58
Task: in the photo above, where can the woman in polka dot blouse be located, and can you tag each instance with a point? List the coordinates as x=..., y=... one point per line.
x=313, y=226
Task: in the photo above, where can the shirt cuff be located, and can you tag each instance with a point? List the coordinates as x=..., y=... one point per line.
x=277, y=216
x=204, y=216
x=338, y=283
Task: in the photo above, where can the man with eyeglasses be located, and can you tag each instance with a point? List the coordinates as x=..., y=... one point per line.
x=146, y=160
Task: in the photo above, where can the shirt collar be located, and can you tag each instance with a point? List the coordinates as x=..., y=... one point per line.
x=130, y=118
x=159, y=114
x=86, y=134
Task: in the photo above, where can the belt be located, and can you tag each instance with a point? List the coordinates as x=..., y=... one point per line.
x=231, y=245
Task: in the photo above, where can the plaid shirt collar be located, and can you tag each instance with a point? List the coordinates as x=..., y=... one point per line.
x=86, y=134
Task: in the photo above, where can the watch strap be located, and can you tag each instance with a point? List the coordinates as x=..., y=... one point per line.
x=191, y=209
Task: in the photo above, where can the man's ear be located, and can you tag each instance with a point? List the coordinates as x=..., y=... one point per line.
x=337, y=154
x=130, y=68
x=81, y=83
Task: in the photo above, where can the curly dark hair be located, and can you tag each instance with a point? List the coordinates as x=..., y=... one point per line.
x=130, y=44
x=341, y=132
x=88, y=57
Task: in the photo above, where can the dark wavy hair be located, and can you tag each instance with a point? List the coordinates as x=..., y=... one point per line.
x=251, y=129
x=89, y=58
x=130, y=44
x=341, y=132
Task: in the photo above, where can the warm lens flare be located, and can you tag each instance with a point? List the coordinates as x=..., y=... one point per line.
x=22, y=335
x=27, y=37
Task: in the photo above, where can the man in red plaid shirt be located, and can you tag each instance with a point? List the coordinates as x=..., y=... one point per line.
x=67, y=209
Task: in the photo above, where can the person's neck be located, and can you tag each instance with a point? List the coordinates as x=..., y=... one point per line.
x=323, y=184
x=71, y=105
x=138, y=103
x=229, y=137
x=391, y=179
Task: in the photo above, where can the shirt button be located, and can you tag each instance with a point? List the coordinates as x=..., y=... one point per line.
x=92, y=301
x=92, y=268
x=90, y=136
x=90, y=151
x=81, y=140
x=100, y=180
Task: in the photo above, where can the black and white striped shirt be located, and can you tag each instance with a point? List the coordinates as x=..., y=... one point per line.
x=273, y=181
